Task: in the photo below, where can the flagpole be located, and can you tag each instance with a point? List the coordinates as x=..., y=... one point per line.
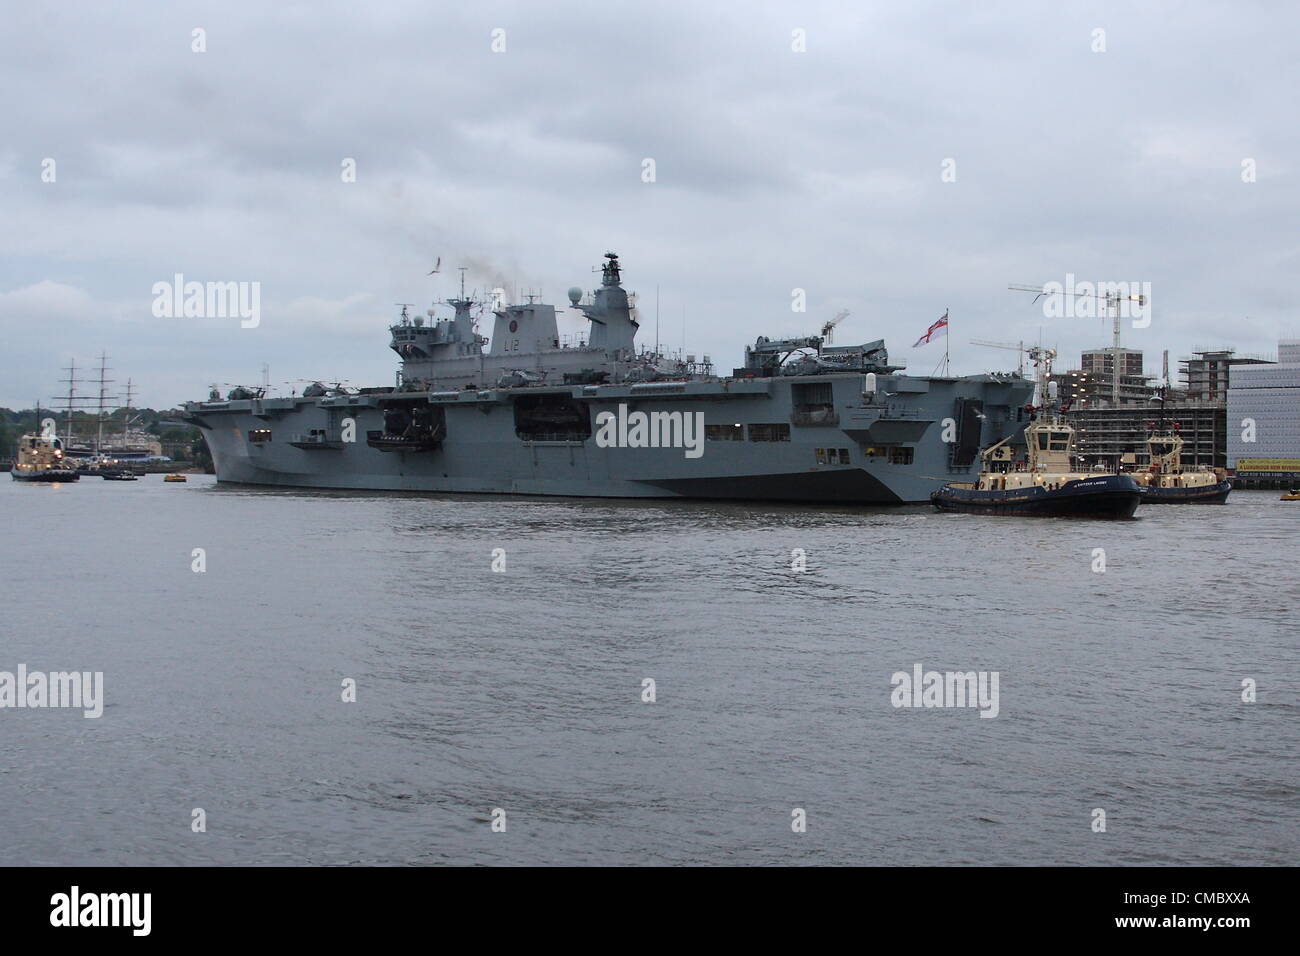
x=947, y=337
x=947, y=327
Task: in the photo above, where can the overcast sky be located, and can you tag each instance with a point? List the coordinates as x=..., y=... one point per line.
x=774, y=170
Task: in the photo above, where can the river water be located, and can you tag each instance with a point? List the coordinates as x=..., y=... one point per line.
x=518, y=695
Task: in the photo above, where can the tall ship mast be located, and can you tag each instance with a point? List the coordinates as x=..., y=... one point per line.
x=101, y=443
x=103, y=403
x=528, y=411
x=72, y=403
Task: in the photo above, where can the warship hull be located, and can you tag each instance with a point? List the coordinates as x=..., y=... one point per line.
x=816, y=439
x=1112, y=496
x=523, y=413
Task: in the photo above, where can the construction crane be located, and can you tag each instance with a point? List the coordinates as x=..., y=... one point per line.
x=1019, y=347
x=829, y=327
x=1113, y=301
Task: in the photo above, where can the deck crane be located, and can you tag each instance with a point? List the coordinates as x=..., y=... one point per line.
x=1019, y=347
x=829, y=327
x=1042, y=359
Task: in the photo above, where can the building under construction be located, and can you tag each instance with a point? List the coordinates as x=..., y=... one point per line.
x=1110, y=434
x=1117, y=436
x=1093, y=382
x=1078, y=387
x=1206, y=373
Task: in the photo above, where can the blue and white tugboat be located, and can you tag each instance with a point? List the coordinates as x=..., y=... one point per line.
x=1167, y=482
x=1044, y=483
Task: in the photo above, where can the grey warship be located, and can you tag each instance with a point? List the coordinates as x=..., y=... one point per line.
x=524, y=413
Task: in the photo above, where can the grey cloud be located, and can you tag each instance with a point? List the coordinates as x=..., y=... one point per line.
x=775, y=170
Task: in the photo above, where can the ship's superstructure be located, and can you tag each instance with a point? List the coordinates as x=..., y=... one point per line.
x=525, y=347
x=526, y=412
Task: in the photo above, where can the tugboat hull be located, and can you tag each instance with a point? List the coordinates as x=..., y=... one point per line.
x=1109, y=496
x=46, y=476
x=1210, y=495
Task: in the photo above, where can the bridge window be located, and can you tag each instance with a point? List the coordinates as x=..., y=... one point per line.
x=779, y=431
x=257, y=436
x=734, y=432
x=901, y=456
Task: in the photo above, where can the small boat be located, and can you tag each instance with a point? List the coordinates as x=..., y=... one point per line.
x=174, y=476
x=40, y=458
x=1292, y=495
x=118, y=476
x=1167, y=482
x=1044, y=484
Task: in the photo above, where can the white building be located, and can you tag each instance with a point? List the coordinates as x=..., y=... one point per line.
x=1264, y=418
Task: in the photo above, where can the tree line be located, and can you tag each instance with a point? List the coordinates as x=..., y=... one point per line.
x=162, y=424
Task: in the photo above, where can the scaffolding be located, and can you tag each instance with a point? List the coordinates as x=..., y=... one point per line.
x=1079, y=387
x=1117, y=436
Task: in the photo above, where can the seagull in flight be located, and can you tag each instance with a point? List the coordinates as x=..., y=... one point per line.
x=437, y=266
